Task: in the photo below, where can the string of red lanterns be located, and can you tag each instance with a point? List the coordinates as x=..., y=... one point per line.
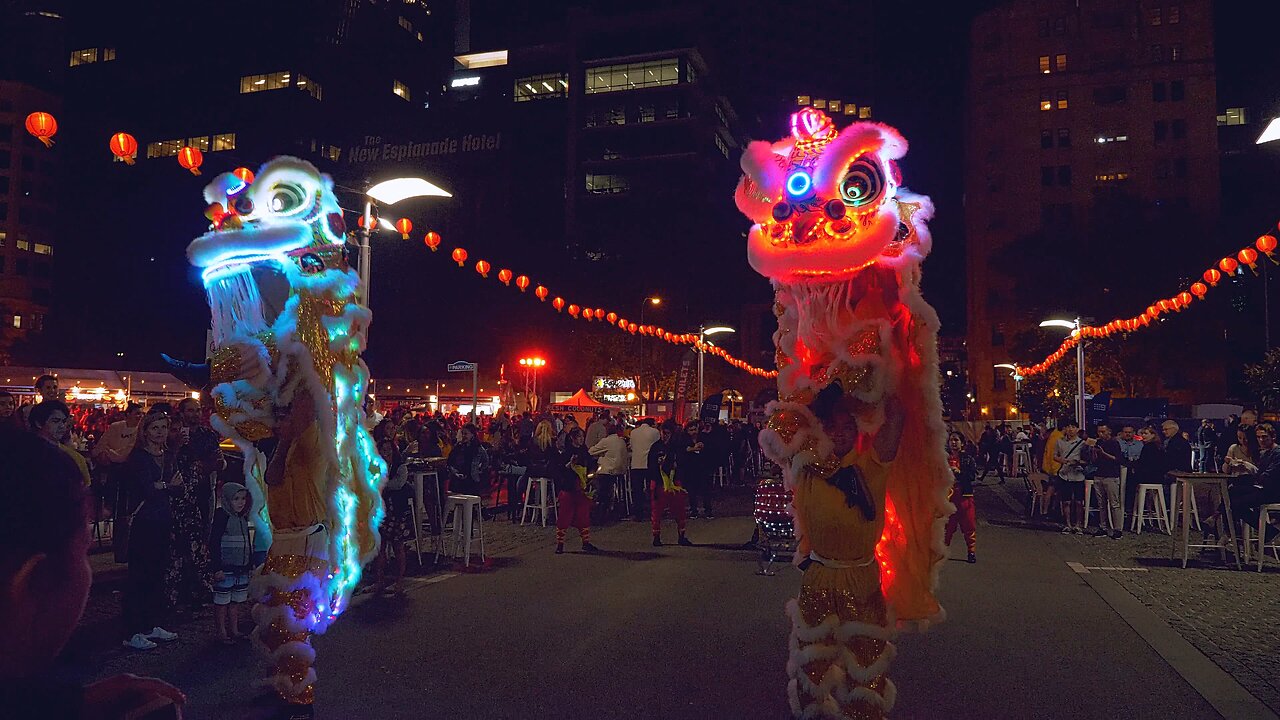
x=596, y=314
x=1227, y=266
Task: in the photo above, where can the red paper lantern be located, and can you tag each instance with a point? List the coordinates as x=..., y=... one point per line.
x=1228, y=265
x=404, y=226
x=431, y=240
x=124, y=146
x=574, y=310
x=1266, y=245
x=666, y=336
x=504, y=276
x=482, y=267
x=1185, y=298
x=1198, y=289
x=558, y=304
x=43, y=127
x=460, y=256
x=1212, y=276
x=245, y=174
x=611, y=318
x=1153, y=311
x=522, y=282
x=191, y=159
x=541, y=292
x=1248, y=256
x=599, y=313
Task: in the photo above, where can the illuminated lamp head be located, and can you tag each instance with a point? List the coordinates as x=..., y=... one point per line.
x=287, y=215
x=827, y=202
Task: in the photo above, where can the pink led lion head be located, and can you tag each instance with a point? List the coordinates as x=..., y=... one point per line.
x=828, y=203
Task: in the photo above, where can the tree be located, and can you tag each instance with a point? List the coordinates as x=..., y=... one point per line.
x=1263, y=380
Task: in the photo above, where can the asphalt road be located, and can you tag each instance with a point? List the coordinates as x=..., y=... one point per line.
x=671, y=633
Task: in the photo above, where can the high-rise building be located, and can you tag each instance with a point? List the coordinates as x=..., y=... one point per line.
x=1078, y=110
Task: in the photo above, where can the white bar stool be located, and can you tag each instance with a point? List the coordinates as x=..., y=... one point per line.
x=545, y=502
x=1175, y=512
x=1264, y=517
x=1159, y=513
x=1088, y=503
x=466, y=513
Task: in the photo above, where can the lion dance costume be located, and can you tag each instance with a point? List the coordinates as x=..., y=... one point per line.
x=288, y=387
x=842, y=243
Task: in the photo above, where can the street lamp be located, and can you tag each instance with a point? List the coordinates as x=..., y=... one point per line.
x=1017, y=379
x=650, y=301
x=703, y=332
x=388, y=192
x=1271, y=133
x=531, y=367
x=1074, y=326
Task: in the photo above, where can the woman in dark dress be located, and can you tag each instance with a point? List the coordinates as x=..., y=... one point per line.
x=153, y=478
x=397, y=524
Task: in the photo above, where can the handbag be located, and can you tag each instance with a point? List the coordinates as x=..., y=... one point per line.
x=1068, y=467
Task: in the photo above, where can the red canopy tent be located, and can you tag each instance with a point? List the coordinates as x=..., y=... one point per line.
x=581, y=406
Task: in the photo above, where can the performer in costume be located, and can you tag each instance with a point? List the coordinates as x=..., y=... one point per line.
x=288, y=383
x=575, y=496
x=665, y=490
x=856, y=347
x=964, y=467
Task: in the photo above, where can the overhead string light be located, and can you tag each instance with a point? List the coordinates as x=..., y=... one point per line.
x=1248, y=256
x=599, y=314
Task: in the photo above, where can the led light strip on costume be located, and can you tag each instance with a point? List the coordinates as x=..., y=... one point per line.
x=1226, y=267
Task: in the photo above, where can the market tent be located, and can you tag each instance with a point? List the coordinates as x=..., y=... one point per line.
x=581, y=406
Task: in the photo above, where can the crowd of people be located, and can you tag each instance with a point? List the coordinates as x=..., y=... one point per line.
x=1150, y=451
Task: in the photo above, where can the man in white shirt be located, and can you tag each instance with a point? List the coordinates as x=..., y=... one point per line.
x=642, y=439
x=611, y=454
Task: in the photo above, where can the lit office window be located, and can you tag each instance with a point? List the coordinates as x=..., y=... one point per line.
x=1155, y=16
x=1173, y=15
x=200, y=143
x=24, y=244
x=400, y=89
x=611, y=78
x=851, y=109
x=864, y=112
x=1062, y=99
x=720, y=145
x=1111, y=138
x=332, y=152
x=802, y=99
x=17, y=322
x=309, y=86
x=834, y=106
x=42, y=249
x=164, y=148
x=1060, y=62
x=1111, y=177
x=600, y=117
x=88, y=56
x=820, y=103
x=606, y=184
x=225, y=141
x=1233, y=116
x=404, y=23
x=1046, y=101
x=270, y=81
x=108, y=54
x=648, y=113
x=541, y=87
x=1044, y=64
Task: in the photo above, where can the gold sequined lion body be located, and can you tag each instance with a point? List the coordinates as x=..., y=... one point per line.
x=289, y=387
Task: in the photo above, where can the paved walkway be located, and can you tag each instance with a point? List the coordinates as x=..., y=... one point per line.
x=672, y=633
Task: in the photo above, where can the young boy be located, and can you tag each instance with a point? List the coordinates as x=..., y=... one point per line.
x=230, y=551
x=963, y=466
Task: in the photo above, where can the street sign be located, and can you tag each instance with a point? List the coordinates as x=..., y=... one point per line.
x=462, y=366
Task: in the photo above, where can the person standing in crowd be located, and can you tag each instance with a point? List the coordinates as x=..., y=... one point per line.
x=598, y=428
x=642, y=439
x=1148, y=469
x=1207, y=442
x=45, y=578
x=51, y=421
x=47, y=387
x=152, y=474
x=1263, y=486
x=468, y=464
x=1051, y=466
x=109, y=454
x=1106, y=457
x=1130, y=444
x=9, y=417
x=963, y=468
x=231, y=558
x=573, y=499
x=396, y=529
x=198, y=458
x=695, y=475
x=1069, y=455
x=1177, y=450
x=543, y=460
x=611, y=454
x=666, y=490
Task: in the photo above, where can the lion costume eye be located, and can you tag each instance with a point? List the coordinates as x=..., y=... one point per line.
x=286, y=198
x=863, y=183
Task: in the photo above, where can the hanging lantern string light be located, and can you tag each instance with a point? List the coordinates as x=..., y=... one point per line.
x=1248, y=256
x=459, y=256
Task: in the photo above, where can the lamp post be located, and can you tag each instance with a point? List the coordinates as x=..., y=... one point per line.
x=654, y=301
x=703, y=332
x=1074, y=326
x=388, y=192
x=1017, y=383
x=531, y=366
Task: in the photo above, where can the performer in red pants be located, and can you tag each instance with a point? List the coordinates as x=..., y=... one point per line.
x=665, y=490
x=965, y=467
x=575, y=503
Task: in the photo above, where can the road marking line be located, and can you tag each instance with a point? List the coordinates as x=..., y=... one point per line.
x=1079, y=568
x=1120, y=569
